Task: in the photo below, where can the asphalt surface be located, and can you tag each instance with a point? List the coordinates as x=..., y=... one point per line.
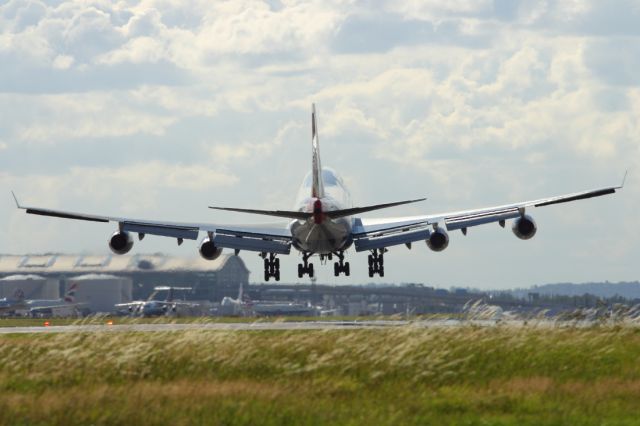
x=302, y=325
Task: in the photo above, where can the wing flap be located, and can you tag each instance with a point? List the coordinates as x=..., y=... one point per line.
x=189, y=233
x=240, y=241
x=364, y=244
x=480, y=219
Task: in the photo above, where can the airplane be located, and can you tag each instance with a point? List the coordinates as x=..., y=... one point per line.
x=324, y=223
x=40, y=306
x=236, y=307
x=152, y=307
x=243, y=305
x=65, y=305
x=13, y=303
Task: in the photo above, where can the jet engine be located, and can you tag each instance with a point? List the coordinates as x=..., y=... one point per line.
x=208, y=249
x=120, y=242
x=438, y=240
x=524, y=227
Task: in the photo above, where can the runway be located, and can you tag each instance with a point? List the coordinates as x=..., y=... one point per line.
x=240, y=326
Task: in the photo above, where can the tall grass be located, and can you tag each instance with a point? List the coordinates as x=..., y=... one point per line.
x=405, y=375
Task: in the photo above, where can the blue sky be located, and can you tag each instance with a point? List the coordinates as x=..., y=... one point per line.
x=156, y=109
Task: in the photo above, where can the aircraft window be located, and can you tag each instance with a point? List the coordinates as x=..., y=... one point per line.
x=329, y=178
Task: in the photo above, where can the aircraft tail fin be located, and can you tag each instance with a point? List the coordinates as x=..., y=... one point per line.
x=70, y=295
x=19, y=294
x=317, y=187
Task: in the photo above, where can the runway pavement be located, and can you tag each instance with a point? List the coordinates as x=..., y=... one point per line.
x=302, y=325
x=262, y=325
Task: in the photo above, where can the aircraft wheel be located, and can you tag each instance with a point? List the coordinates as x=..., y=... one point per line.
x=370, y=261
x=266, y=275
x=277, y=275
x=381, y=272
x=370, y=272
x=277, y=263
x=347, y=269
x=311, y=270
x=300, y=270
x=336, y=271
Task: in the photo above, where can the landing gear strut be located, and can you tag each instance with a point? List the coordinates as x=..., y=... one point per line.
x=271, y=266
x=341, y=266
x=305, y=268
x=376, y=262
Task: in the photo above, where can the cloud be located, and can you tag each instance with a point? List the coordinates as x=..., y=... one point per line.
x=162, y=103
x=80, y=116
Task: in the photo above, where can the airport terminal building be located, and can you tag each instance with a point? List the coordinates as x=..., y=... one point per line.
x=210, y=280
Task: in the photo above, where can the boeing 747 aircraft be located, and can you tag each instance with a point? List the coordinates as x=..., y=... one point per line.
x=324, y=223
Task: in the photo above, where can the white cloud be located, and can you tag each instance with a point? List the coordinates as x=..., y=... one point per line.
x=473, y=101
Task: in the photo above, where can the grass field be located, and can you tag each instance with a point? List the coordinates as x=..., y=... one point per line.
x=405, y=375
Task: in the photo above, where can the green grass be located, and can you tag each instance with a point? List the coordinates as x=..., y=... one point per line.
x=402, y=375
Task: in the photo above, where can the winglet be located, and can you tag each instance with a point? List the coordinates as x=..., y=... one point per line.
x=624, y=179
x=16, y=200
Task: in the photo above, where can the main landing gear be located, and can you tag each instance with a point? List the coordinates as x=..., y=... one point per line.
x=305, y=268
x=376, y=262
x=271, y=266
x=341, y=266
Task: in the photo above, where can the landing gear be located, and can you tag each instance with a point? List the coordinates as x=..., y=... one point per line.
x=271, y=266
x=376, y=262
x=341, y=266
x=305, y=268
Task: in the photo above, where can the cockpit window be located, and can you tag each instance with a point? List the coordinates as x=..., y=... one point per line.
x=328, y=177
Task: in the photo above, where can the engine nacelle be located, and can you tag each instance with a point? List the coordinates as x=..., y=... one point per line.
x=121, y=242
x=208, y=249
x=524, y=227
x=438, y=240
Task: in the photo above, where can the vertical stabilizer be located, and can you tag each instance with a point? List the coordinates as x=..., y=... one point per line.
x=317, y=189
x=70, y=295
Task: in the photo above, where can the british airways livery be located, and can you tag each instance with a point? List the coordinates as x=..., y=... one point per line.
x=324, y=223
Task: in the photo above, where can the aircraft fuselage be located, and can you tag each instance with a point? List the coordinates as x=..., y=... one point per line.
x=321, y=234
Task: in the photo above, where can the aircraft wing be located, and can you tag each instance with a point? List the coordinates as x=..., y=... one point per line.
x=381, y=233
x=47, y=308
x=269, y=237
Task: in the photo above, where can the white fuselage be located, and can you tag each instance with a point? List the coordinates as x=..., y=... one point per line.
x=321, y=234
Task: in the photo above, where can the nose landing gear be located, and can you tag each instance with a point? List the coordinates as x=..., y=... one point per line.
x=305, y=268
x=341, y=266
x=376, y=262
x=271, y=266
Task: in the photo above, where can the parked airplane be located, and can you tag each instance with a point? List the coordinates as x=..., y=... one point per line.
x=325, y=223
x=13, y=303
x=243, y=305
x=65, y=306
x=152, y=307
x=36, y=307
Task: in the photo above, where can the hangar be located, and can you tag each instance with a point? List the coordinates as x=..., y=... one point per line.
x=210, y=280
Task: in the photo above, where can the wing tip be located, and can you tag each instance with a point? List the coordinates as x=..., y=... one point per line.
x=16, y=200
x=624, y=179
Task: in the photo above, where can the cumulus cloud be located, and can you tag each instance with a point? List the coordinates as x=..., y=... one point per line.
x=474, y=101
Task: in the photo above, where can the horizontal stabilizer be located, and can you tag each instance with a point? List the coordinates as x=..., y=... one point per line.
x=333, y=214
x=277, y=213
x=358, y=210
